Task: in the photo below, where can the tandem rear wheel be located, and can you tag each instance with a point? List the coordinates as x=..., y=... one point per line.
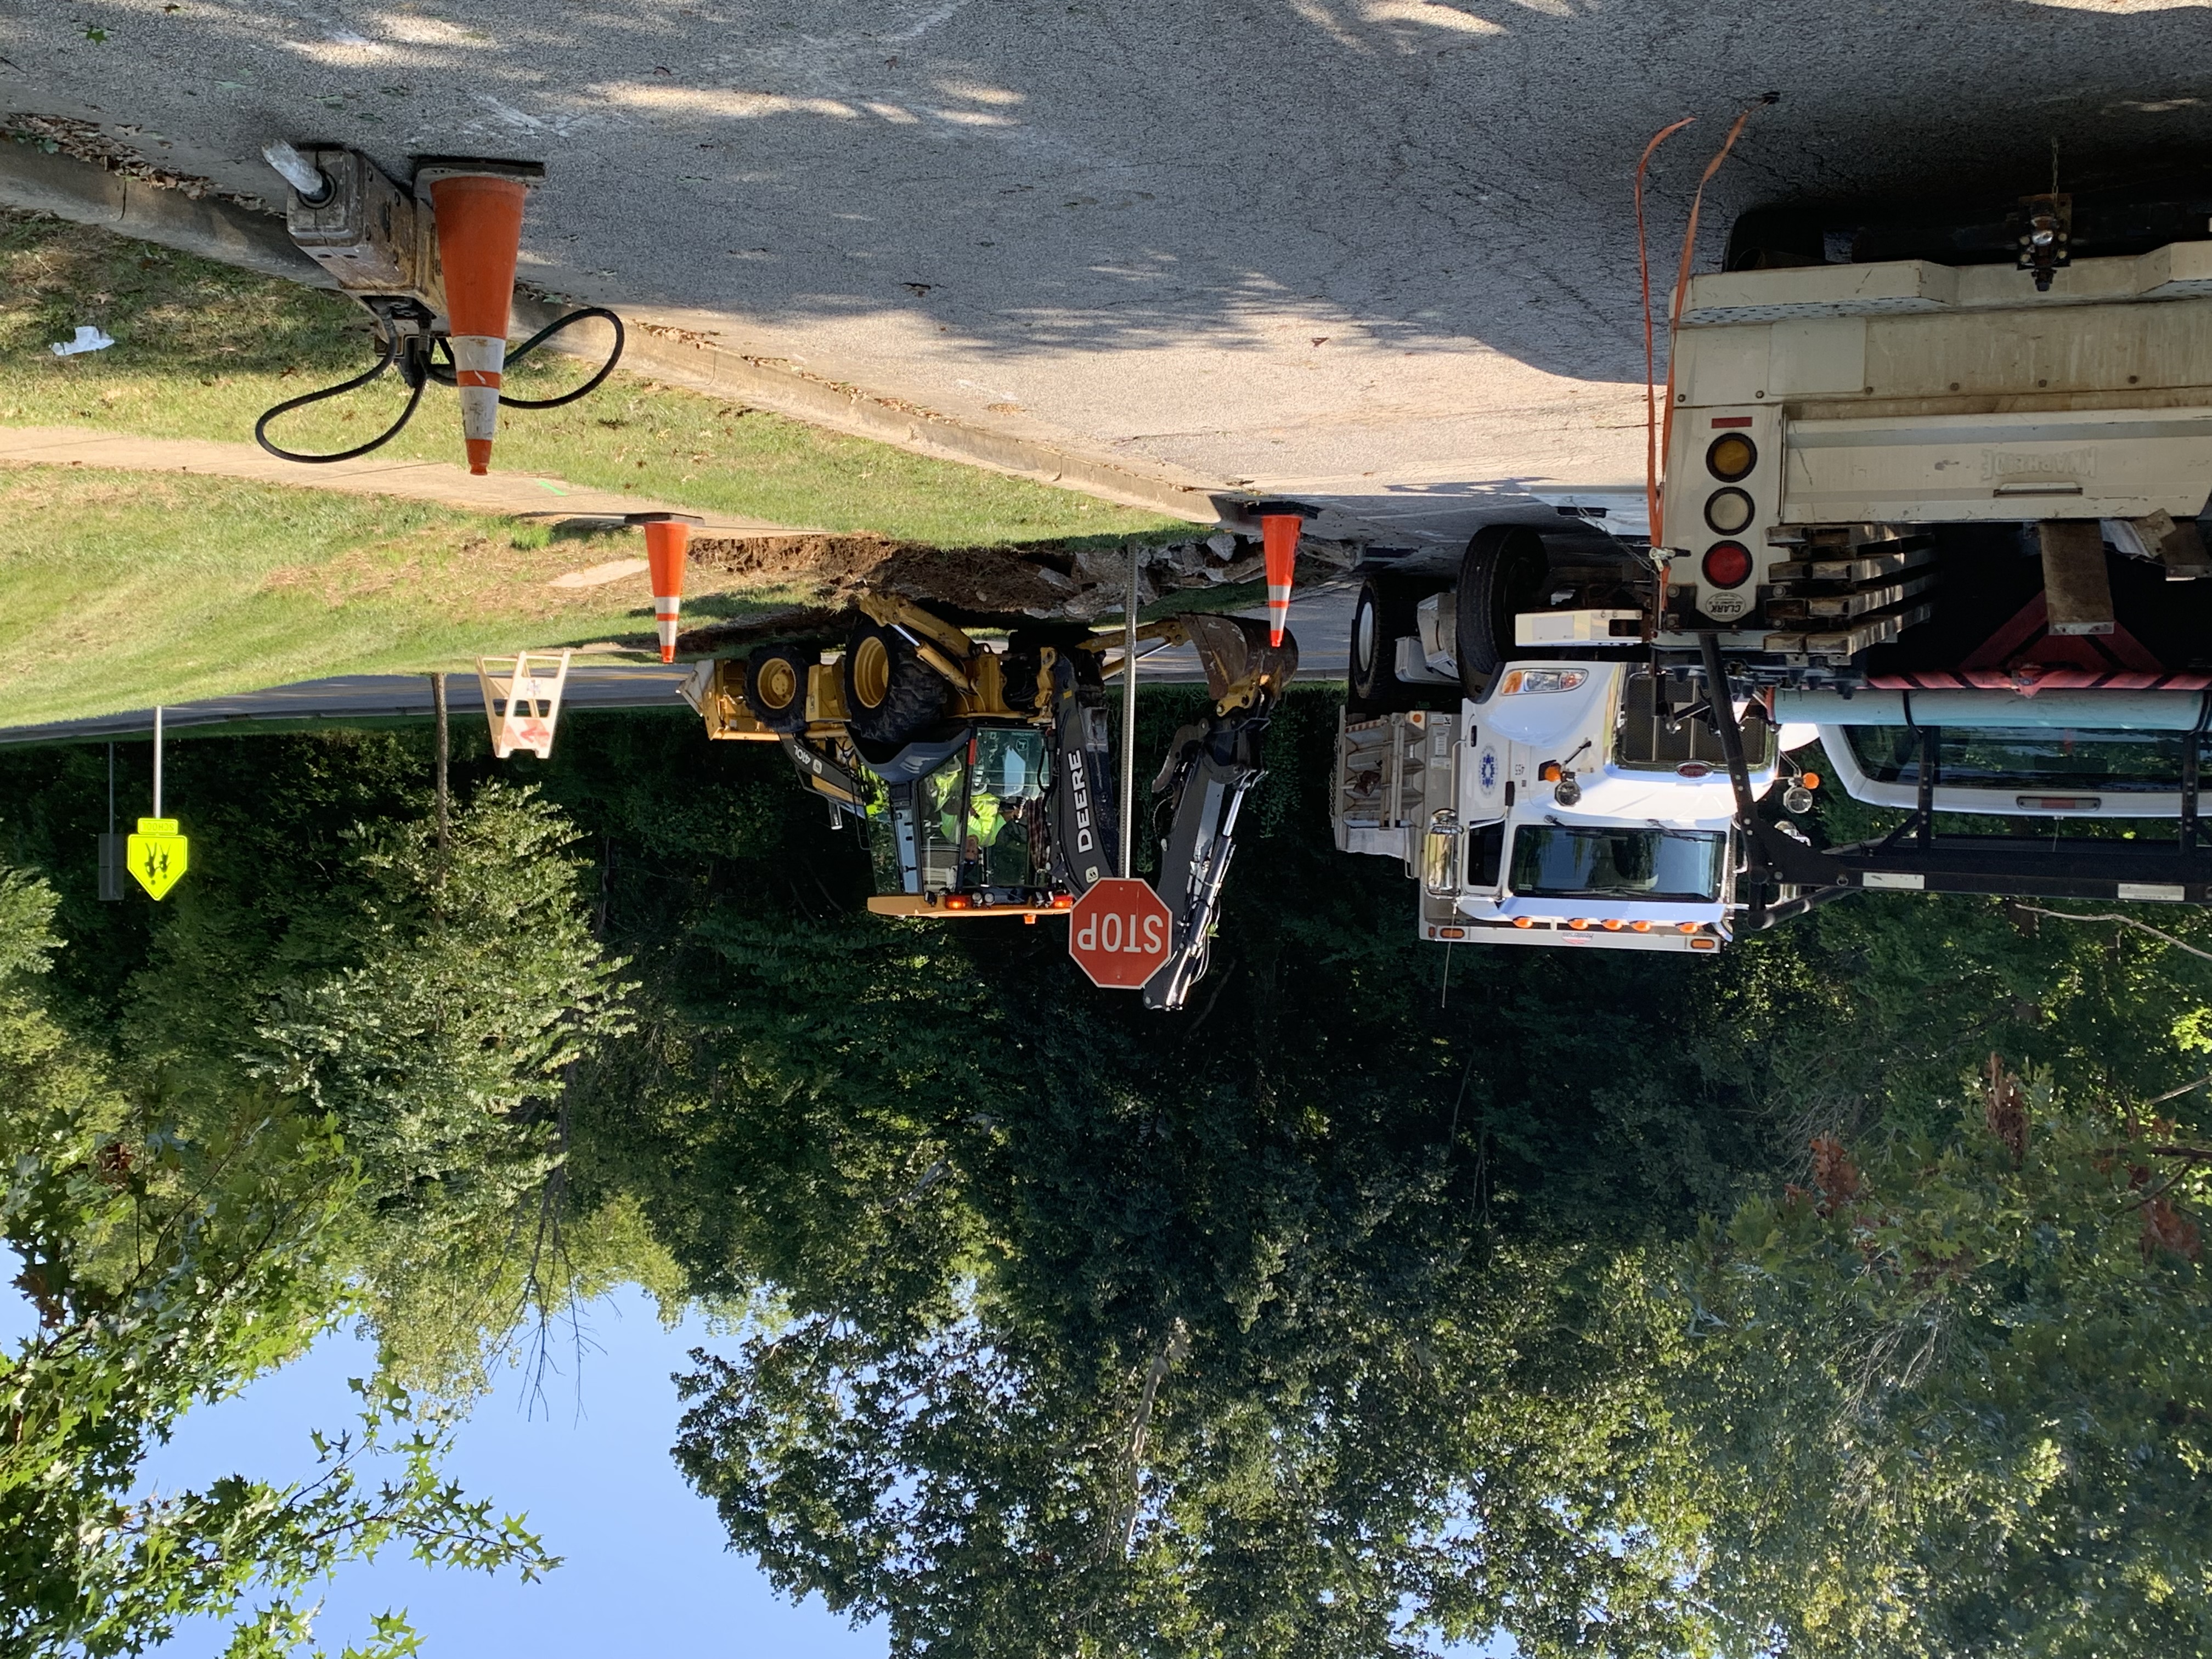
x=1500, y=575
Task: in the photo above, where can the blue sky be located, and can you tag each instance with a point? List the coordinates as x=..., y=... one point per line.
x=646, y=1569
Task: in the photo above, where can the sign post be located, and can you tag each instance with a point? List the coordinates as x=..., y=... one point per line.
x=158, y=855
x=1129, y=720
x=1119, y=933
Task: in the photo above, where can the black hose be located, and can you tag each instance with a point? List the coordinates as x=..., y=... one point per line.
x=444, y=374
x=418, y=369
x=411, y=371
x=546, y=333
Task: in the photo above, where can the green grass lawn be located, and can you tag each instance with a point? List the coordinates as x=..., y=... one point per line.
x=118, y=590
x=201, y=349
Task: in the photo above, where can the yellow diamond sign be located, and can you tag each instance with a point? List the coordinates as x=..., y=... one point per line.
x=158, y=855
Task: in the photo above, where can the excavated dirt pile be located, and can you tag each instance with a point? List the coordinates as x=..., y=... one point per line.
x=1058, y=580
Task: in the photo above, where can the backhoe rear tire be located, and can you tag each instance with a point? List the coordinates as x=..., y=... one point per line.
x=891, y=696
x=775, y=686
x=1501, y=574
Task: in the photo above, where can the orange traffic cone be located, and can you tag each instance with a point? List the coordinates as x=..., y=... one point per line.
x=667, y=541
x=1280, y=522
x=479, y=220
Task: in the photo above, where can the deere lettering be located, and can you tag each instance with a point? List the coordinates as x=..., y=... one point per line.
x=1078, y=796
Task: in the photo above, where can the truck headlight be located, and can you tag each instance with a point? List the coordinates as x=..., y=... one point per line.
x=1520, y=680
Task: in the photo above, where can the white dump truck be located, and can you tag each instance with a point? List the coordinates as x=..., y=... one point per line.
x=1932, y=486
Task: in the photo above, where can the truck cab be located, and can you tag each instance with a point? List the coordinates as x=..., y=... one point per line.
x=1570, y=804
x=2092, y=755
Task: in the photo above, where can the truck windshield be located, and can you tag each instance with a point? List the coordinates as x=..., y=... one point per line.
x=2025, y=757
x=1592, y=861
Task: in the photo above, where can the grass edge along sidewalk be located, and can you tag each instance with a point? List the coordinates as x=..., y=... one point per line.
x=201, y=349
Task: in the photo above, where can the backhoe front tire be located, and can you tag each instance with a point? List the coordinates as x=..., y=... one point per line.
x=891, y=696
x=775, y=687
x=1501, y=574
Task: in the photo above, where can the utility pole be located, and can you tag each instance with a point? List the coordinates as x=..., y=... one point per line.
x=111, y=844
x=444, y=753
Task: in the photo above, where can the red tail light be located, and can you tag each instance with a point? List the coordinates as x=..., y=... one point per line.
x=1727, y=564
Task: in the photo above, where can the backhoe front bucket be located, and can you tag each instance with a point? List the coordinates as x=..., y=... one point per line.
x=1235, y=654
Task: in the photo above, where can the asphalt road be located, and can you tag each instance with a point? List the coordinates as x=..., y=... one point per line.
x=352, y=698
x=1320, y=617
x=1377, y=251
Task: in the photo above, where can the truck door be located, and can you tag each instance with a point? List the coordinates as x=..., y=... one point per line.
x=1483, y=776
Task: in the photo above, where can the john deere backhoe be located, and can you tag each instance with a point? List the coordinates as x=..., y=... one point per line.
x=983, y=775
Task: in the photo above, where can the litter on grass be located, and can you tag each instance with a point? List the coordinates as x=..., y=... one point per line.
x=88, y=338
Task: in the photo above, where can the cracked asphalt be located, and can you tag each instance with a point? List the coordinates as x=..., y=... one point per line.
x=1377, y=251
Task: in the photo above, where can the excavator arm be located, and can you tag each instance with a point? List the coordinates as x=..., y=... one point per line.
x=1211, y=765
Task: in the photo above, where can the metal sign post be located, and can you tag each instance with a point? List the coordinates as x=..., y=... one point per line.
x=159, y=855
x=1129, y=719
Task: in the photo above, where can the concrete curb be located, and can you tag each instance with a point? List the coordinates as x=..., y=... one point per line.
x=89, y=194
x=504, y=494
x=213, y=229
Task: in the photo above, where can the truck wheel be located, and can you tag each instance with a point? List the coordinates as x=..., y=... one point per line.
x=775, y=687
x=891, y=696
x=1382, y=614
x=1501, y=574
x=1776, y=238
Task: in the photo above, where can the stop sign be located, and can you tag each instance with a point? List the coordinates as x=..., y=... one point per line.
x=1119, y=933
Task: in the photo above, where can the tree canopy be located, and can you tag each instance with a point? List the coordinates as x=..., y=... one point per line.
x=1623, y=1305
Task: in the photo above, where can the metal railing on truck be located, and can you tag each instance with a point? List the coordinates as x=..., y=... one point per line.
x=1914, y=858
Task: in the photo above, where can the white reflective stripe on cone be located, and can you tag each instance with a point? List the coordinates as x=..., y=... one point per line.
x=478, y=360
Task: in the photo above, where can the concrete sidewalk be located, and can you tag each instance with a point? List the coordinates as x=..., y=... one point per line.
x=511, y=494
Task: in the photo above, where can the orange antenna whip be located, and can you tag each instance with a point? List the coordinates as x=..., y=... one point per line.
x=1682, y=273
x=1650, y=363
